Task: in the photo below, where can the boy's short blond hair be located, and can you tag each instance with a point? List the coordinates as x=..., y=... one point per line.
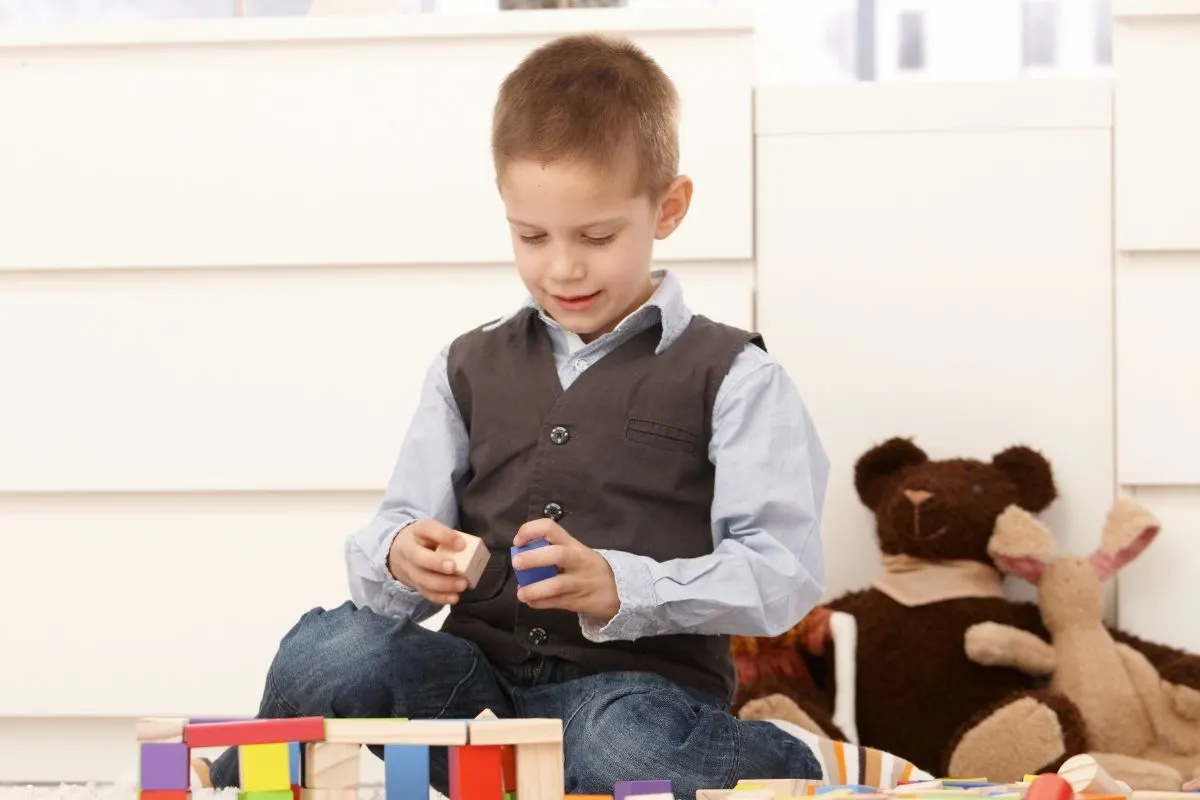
x=594, y=99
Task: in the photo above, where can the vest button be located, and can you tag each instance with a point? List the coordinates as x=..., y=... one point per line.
x=554, y=511
x=559, y=434
x=537, y=636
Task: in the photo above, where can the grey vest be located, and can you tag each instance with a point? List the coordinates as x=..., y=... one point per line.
x=620, y=460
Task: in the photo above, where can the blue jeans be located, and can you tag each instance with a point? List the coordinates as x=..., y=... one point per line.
x=350, y=662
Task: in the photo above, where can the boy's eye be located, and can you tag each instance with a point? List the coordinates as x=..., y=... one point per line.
x=599, y=241
x=533, y=239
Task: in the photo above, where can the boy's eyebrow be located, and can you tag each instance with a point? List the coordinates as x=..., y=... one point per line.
x=594, y=223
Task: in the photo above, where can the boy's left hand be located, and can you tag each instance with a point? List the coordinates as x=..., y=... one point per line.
x=585, y=583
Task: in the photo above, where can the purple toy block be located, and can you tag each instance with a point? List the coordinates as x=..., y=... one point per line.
x=165, y=766
x=625, y=789
x=528, y=576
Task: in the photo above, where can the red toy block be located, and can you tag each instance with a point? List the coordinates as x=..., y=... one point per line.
x=257, y=731
x=476, y=773
x=164, y=794
x=508, y=768
x=1050, y=786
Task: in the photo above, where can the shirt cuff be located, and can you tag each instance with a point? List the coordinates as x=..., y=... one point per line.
x=635, y=593
x=391, y=585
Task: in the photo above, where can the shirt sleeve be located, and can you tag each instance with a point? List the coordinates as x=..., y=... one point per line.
x=431, y=465
x=767, y=568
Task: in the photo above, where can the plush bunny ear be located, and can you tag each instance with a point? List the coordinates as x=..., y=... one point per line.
x=1020, y=545
x=1128, y=530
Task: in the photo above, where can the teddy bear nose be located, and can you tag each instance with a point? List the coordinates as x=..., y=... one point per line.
x=917, y=496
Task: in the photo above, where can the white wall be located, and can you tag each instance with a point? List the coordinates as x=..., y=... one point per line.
x=223, y=273
x=1156, y=52
x=934, y=260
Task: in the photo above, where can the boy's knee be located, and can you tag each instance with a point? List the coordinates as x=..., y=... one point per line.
x=649, y=731
x=327, y=650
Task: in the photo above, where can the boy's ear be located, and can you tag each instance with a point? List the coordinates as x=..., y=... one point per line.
x=673, y=206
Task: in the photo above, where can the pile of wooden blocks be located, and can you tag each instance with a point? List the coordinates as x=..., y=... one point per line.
x=314, y=758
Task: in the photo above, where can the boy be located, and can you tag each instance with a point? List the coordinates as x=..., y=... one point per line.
x=667, y=460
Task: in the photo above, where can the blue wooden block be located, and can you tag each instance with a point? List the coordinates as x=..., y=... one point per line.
x=528, y=576
x=295, y=762
x=406, y=771
x=854, y=788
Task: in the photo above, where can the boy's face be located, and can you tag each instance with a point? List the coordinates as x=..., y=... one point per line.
x=583, y=241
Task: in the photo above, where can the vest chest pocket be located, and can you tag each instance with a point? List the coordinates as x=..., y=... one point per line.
x=660, y=435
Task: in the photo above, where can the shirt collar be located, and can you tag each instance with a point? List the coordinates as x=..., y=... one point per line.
x=665, y=305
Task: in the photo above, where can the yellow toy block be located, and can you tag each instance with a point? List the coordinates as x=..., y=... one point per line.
x=265, y=767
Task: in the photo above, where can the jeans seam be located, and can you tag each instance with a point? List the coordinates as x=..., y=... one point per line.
x=462, y=681
x=278, y=698
x=735, y=763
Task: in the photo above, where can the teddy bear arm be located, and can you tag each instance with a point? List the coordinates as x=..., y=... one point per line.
x=994, y=645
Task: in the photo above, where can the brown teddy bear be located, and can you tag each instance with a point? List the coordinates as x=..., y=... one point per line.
x=919, y=692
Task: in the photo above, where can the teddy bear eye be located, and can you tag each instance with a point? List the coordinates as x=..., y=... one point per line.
x=977, y=489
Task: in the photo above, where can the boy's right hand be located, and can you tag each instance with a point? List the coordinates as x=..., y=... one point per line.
x=413, y=561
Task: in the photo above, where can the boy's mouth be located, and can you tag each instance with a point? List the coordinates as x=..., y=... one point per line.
x=576, y=302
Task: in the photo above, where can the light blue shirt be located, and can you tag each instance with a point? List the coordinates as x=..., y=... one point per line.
x=766, y=570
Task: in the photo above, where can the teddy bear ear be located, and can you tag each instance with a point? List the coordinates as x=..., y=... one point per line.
x=876, y=467
x=1031, y=472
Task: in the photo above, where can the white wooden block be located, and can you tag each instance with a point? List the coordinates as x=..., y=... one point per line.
x=515, y=731
x=166, y=730
x=435, y=733
x=540, y=771
x=469, y=561
x=332, y=765
x=345, y=793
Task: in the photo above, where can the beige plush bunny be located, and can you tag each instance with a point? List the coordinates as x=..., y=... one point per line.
x=1141, y=729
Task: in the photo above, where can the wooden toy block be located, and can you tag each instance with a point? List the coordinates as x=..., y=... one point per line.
x=331, y=765
x=296, y=763
x=1050, y=786
x=265, y=767
x=476, y=773
x=508, y=768
x=540, y=771
x=780, y=787
x=438, y=733
x=307, y=793
x=528, y=576
x=167, y=730
x=624, y=789
x=164, y=794
x=278, y=794
x=587, y=797
x=514, y=731
x=470, y=561
x=406, y=771
x=256, y=731
x=164, y=766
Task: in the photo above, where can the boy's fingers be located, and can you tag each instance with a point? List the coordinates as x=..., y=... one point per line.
x=550, y=555
x=544, y=590
x=430, y=561
x=435, y=533
x=544, y=528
